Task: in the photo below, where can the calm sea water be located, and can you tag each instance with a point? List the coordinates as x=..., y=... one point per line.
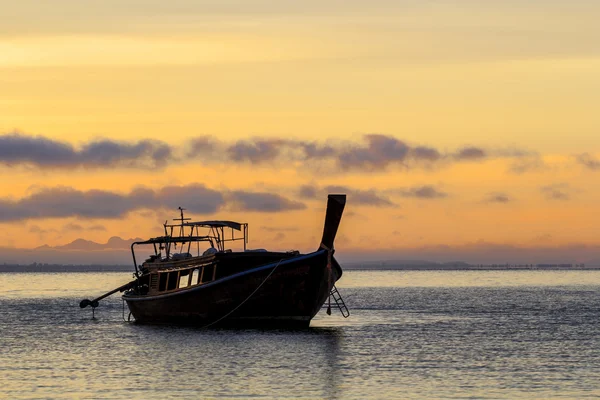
x=476, y=334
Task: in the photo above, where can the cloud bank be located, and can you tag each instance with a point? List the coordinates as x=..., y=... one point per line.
x=372, y=153
x=18, y=149
x=63, y=202
x=372, y=197
x=365, y=197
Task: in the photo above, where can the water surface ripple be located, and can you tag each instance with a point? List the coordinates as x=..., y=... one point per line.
x=475, y=334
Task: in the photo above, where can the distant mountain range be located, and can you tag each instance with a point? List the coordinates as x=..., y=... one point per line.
x=80, y=251
x=114, y=243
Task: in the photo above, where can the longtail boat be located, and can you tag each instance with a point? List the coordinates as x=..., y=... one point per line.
x=221, y=287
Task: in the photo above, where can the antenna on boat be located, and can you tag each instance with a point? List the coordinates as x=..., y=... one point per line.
x=181, y=210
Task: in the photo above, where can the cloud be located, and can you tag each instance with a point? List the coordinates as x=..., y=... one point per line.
x=37, y=229
x=353, y=214
x=368, y=197
x=426, y=153
x=308, y=192
x=527, y=164
x=201, y=146
x=422, y=192
x=261, y=150
x=64, y=202
x=558, y=191
x=41, y=232
x=589, y=161
x=38, y=151
x=380, y=151
x=374, y=152
x=262, y=202
x=256, y=151
x=313, y=150
x=72, y=227
x=60, y=202
x=196, y=198
x=16, y=148
x=377, y=151
x=470, y=153
x=69, y=227
x=500, y=198
x=110, y=153
x=372, y=197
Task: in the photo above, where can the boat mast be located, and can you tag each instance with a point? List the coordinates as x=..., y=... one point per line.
x=181, y=229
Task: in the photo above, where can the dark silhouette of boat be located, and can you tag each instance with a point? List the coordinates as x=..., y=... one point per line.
x=221, y=287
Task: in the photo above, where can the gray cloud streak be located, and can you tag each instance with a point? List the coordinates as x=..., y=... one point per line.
x=63, y=202
x=559, y=191
x=359, y=196
x=262, y=202
x=373, y=197
x=375, y=152
x=470, y=154
x=369, y=197
x=19, y=149
x=588, y=161
x=500, y=198
x=256, y=151
x=423, y=192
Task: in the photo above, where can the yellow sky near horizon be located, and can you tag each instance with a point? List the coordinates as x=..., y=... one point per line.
x=501, y=76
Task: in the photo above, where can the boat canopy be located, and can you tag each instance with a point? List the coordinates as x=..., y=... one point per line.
x=169, y=239
x=179, y=238
x=211, y=224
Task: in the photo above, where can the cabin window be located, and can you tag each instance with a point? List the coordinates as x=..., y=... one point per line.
x=173, y=278
x=154, y=281
x=195, y=277
x=183, y=279
x=162, y=282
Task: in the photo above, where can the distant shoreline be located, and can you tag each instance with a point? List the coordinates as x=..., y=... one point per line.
x=472, y=268
x=65, y=268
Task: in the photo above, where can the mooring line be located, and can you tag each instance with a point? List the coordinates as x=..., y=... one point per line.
x=245, y=300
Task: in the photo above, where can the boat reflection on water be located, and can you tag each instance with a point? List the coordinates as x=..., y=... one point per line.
x=262, y=360
x=221, y=287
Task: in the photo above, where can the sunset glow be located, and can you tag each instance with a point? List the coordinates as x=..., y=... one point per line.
x=446, y=125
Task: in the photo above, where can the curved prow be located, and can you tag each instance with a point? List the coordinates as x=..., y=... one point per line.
x=333, y=216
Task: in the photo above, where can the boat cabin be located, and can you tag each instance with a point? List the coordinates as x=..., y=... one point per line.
x=195, y=253
x=182, y=240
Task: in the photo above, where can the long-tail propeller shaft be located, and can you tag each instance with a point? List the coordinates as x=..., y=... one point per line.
x=94, y=303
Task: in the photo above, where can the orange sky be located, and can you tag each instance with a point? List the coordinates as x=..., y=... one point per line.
x=504, y=96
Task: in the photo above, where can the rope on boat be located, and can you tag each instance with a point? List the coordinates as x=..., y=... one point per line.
x=246, y=299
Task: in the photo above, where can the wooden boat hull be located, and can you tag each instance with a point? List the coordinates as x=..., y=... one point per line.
x=284, y=294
